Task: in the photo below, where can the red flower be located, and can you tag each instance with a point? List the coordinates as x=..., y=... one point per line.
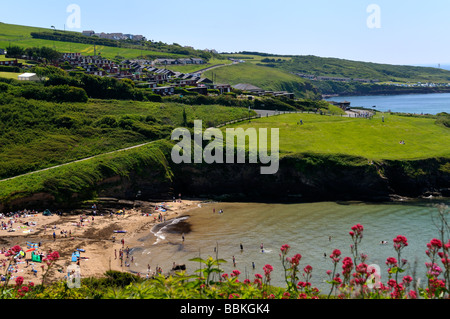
x=407, y=279
x=284, y=249
x=307, y=269
x=19, y=281
x=434, y=244
x=16, y=249
x=267, y=269
x=391, y=261
x=335, y=256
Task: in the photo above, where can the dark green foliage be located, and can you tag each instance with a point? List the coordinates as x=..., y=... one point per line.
x=443, y=119
x=60, y=93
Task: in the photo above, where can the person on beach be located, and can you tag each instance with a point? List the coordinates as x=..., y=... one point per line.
x=182, y=237
x=262, y=247
x=234, y=261
x=242, y=247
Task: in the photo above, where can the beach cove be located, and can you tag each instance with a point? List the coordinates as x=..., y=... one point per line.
x=91, y=233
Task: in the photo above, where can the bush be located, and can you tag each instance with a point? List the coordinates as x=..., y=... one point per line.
x=59, y=93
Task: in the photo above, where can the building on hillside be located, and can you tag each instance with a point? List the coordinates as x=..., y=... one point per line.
x=249, y=88
x=3, y=51
x=28, y=77
x=164, y=90
x=88, y=33
x=11, y=63
x=182, y=61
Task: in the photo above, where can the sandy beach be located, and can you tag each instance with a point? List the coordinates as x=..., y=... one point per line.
x=92, y=233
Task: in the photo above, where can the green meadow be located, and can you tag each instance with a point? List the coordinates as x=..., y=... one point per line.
x=372, y=139
x=17, y=35
x=267, y=78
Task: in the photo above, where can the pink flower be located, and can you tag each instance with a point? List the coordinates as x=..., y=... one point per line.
x=267, y=269
x=336, y=255
x=286, y=295
x=284, y=249
x=412, y=294
x=296, y=259
x=434, y=244
x=307, y=269
x=391, y=261
x=407, y=279
x=258, y=276
x=400, y=242
x=392, y=283
x=357, y=229
x=235, y=273
x=19, y=281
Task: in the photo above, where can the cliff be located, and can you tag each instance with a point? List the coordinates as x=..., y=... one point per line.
x=301, y=177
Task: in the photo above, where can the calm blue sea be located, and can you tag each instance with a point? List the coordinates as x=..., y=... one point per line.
x=407, y=103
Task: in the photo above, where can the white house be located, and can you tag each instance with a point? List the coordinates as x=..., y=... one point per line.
x=28, y=77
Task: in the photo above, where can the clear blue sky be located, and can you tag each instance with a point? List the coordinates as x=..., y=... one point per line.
x=411, y=32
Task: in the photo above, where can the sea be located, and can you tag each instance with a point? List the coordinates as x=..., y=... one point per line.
x=250, y=235
x=432, y=103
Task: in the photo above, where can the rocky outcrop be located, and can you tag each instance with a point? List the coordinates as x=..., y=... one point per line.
x=301, y=177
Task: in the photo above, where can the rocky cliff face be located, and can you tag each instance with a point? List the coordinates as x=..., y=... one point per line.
x=326, y=178
x=299, y=178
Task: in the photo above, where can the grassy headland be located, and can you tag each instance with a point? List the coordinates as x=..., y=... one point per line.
x=373, y=139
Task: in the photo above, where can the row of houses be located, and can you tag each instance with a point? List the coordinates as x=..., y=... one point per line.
x=115, y=36
x=181, y=61
x=97, y=65
x=161, y=80
x=11, y=63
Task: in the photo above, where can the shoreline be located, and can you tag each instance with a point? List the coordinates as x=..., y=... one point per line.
x=94, y=234
x=90, y=232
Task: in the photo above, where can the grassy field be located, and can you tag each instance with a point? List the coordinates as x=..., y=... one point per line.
x=20, y=36
x=9, y=75
x=264, y=77
x=369, y=138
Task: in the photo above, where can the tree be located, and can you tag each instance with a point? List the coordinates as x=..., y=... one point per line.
x=15, y=52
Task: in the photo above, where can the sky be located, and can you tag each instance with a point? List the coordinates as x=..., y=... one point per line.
x=382, y=31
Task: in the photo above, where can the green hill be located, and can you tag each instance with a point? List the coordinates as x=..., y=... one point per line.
x=18, y=35
x=267, y=78
x=334, y=67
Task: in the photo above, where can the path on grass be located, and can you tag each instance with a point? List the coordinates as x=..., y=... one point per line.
x=77, y=161
x=260, y=113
